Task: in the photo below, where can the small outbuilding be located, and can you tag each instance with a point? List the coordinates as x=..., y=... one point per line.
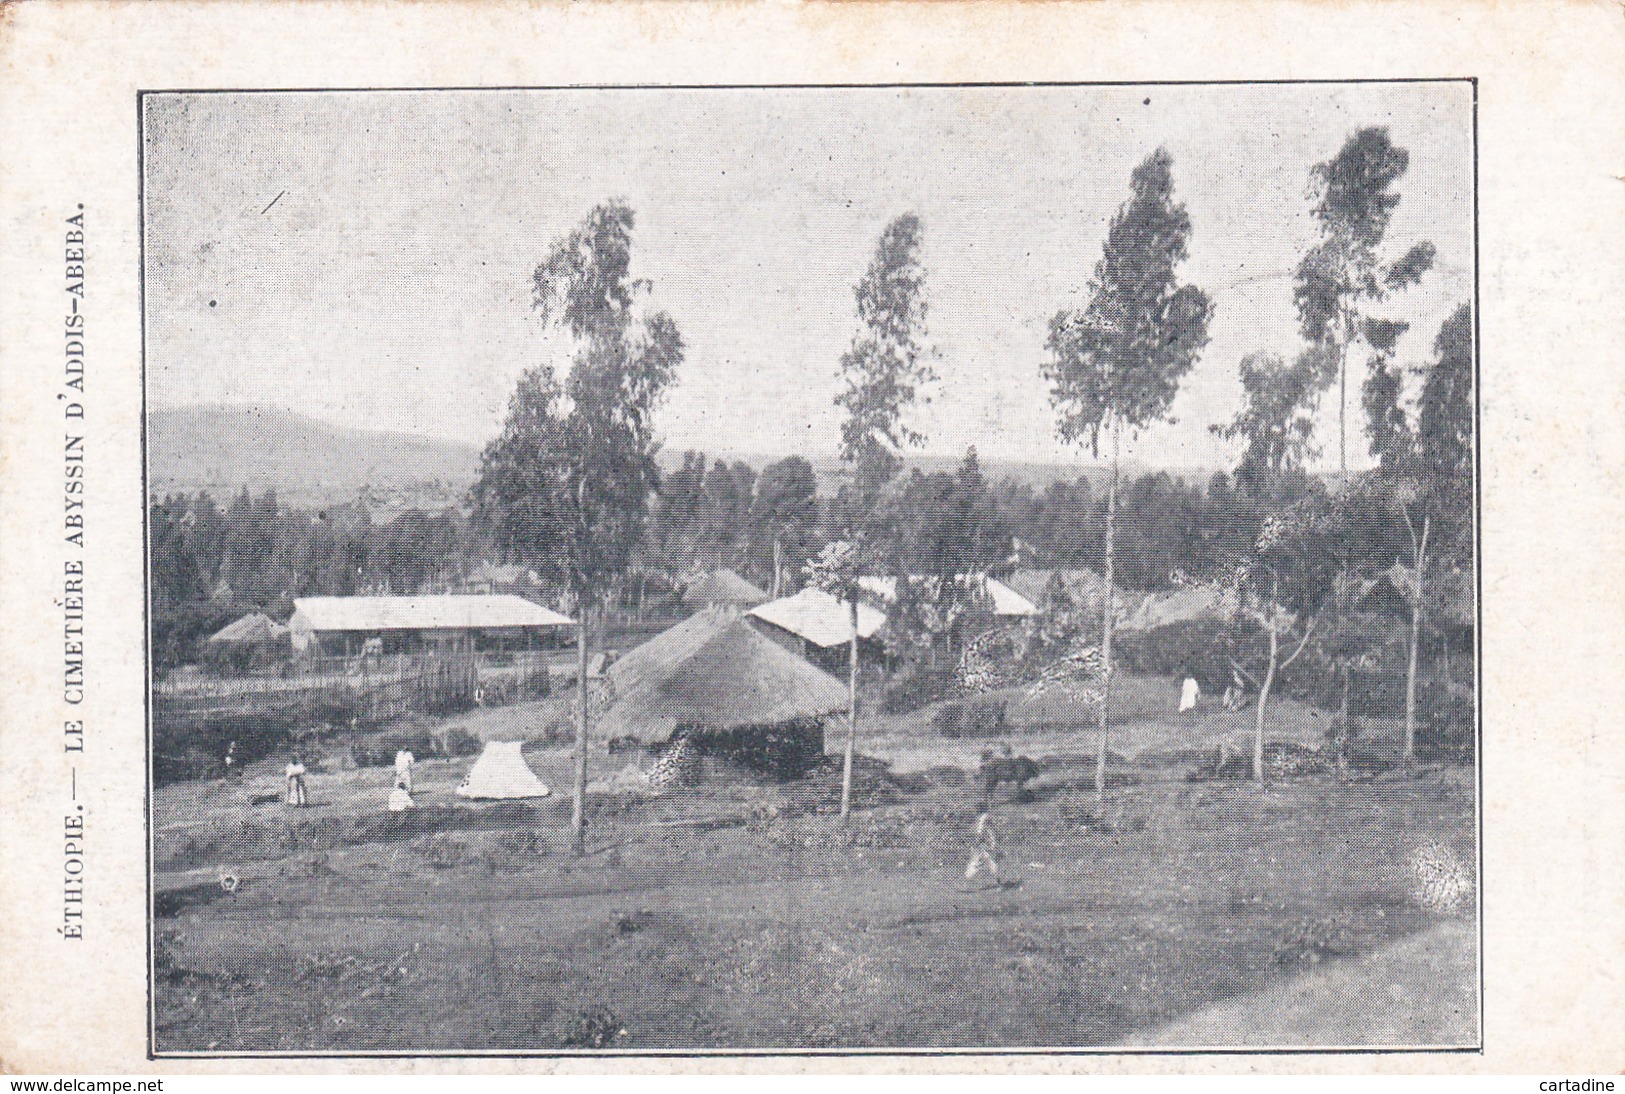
x=253, y=629
x=252, y=642
x=817, y=625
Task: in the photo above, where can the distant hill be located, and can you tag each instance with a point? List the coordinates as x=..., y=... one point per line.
x=222, y=448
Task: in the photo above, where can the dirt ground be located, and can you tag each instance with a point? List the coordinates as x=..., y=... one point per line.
x=743, y=914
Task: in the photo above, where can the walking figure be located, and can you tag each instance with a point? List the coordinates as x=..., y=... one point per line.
x=295, y=772
x=984, y=856
x=231, y=760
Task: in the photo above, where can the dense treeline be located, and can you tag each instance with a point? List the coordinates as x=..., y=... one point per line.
x=211, y=564
x=706, y=515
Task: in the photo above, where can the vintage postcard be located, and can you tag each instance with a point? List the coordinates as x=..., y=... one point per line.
x=1037, y=542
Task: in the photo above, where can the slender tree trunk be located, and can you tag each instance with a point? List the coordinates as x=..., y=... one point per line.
x=1108, y=611
x=1417, y=610
x=1410, y=686
x=1345, y=735
x=1342, y=418
x=851, y=717
x=1263, y=700
x=578, y=811
x=778, y=565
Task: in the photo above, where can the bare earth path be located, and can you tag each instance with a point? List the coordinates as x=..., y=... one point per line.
x=1418, y=991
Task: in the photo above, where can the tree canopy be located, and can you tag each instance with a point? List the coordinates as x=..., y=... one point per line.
x=1123, y=355
x=889, y=362
x=1344, y=273
x=566, y=484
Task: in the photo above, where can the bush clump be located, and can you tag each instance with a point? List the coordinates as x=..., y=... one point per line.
x=595, y=1028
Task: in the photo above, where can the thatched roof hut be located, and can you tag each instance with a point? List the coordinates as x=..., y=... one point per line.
x=714, y=672
x=724, y=589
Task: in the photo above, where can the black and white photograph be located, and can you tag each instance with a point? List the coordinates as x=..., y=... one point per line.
x=812, y=569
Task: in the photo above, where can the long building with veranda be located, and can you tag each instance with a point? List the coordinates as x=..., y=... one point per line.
x=347, y=625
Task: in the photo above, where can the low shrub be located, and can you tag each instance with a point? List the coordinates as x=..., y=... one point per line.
x=1313, y=940
x=971, y=718
x=441, y=851
x=513, y=850
x=459, y=742
x=595, y=1028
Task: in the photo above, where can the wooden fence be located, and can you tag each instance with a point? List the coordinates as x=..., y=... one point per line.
x=369, y=688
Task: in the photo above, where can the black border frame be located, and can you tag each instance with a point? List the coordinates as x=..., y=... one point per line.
x=901, y=1053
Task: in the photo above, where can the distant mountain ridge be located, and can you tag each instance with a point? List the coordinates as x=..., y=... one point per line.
x=222, y=448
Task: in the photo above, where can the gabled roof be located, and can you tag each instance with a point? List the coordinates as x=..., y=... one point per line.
x=1006, y=601
x=1083, y=586
x=1195, y=603
x=819, y=618
x=724, y=587
x=395, y=613
x=251, y=628
x=714, y=670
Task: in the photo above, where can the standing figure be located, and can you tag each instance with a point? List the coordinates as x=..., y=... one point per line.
x=1189, y=694
x=295, y=773
x=984, y=855
x=403, y=768
x=231, y=760
x=1236, y=693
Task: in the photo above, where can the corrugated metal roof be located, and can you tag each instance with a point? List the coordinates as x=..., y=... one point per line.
x=820, y=618
x=407, y=613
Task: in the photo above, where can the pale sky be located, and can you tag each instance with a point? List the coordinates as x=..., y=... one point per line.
x=366, y=258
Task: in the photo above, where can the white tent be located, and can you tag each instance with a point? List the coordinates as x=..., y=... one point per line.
x=501, y=772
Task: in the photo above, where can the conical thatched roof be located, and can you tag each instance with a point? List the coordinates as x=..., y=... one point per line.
x=714, y=670
x=252, y=628
x=723, y=587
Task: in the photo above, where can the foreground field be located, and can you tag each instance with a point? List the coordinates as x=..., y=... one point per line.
x=743, y=915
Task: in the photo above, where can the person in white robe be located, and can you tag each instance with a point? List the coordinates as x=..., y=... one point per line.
x=404, y=761
x=400, y=799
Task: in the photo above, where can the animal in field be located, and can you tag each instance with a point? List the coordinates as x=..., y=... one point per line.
x=1018, y=771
